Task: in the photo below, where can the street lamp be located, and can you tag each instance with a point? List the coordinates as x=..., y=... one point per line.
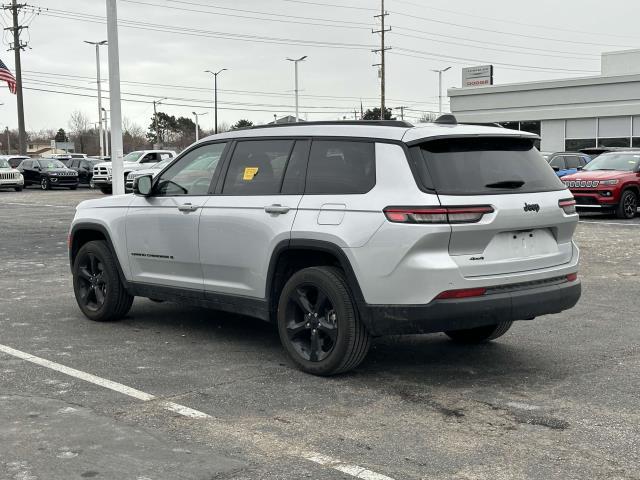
x=106, y=132
x=215, y=96
x=155, y=118
x=295, y=62
x=97, y=45
x=439, y=72
x=197, y=128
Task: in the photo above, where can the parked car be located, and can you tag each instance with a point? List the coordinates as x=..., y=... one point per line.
x=133, y=161
x=62, y=157
x=84, y=167
x=154, y=170
x=339, y=232
x=78, y=155
x=610, y=182
x=593, y=152
x=566, y=163
x=9, y=176
x=14, y=160
x=48, y=173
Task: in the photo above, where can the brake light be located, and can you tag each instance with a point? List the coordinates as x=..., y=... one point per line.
x=572, y=277
x=568, y=205
x=472, y=214
x=464, y=293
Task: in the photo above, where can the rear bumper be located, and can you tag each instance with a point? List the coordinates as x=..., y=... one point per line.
x=443, y=315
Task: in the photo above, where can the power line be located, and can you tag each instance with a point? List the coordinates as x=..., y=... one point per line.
x=514, y=22
x=282, y=41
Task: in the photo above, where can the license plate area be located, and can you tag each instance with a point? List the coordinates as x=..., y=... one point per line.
x=521, y=244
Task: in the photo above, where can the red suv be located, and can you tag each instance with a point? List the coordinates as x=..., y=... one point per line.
x=609, y=182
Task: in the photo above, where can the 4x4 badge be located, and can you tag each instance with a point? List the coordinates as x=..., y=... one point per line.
x=531, y=207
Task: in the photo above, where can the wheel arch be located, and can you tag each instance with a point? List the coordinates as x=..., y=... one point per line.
x=293, y=255
x=84, y=232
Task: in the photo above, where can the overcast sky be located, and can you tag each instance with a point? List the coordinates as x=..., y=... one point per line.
x=171, y=43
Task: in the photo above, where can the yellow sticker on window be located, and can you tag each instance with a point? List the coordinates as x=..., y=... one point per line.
x=249, y=173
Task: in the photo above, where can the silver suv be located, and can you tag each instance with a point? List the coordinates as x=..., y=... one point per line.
x=340, y=232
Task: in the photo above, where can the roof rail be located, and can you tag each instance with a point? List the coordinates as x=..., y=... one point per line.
x=447, y=119
x=380, y=123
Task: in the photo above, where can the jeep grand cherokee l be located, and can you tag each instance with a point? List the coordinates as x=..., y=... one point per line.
x=339, y=232
x=610, y=182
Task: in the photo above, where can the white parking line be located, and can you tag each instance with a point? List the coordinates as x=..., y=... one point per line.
x=38, y=205
x=350, y=469
x=612, y=223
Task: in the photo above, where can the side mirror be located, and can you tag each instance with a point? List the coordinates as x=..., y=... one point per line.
x=142, y=185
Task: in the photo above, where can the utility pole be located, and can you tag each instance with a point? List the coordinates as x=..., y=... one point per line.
x=215, y=96
x=8, y=142
x=117, y=166
x=401, y=108
x=382, y=51
x=295, y=62
x=106, y=132
x=17, y=47
x=197, y=127
x=98, y=81
x=440, y=72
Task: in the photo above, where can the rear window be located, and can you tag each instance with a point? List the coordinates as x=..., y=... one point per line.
x=473, y=166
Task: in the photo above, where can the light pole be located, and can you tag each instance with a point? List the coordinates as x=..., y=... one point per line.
x=215, y=96
x=295, y=62
x=8, y=139
x=439, y=72
x=98, y=81
x=155, y=119
x=106, y=132
x=197, y=128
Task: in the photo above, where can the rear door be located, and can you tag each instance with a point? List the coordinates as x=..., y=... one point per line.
x=527, y=229
x=252, y=212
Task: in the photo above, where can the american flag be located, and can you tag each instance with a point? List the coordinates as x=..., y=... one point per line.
x=7, y=76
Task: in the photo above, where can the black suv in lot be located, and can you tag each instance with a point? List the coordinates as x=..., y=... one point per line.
x=84, y=168
x=47, y=173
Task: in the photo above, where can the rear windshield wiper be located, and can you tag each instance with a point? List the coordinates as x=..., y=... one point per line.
x=506, y=184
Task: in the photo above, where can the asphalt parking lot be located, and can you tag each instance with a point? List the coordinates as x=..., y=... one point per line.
x=556, y=398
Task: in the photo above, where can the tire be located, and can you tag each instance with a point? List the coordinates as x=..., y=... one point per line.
x=628, y=205
x=479, y=334
x=106, y=190
x=18, y=189
x=333, y=342
x=96, y=283
x=45, y=184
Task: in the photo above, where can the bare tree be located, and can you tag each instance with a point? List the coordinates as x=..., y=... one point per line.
x=133, y=136
x=79, y=125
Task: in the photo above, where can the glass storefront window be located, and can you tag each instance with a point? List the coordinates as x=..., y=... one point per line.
x=614, y=142
x=635, y=142
x=576, y=144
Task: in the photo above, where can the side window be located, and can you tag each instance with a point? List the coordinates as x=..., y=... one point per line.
x=257, y=167
x=165, y=156
x=341, y=167
x=573, y=162
x=193, y=173
x=557, y=161
x=149, y=158
x=26, y=164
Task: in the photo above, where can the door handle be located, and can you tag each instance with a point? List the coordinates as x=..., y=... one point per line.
x=277, y=209
x=187, y=207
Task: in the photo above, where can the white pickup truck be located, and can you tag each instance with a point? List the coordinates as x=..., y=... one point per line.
x=132, y=162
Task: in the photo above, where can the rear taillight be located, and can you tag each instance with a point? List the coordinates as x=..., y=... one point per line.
x=471, y=214
x=464, y=293
x=568, y=205
x=572, y=277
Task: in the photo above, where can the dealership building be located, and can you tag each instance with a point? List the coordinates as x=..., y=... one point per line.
x=568, y=114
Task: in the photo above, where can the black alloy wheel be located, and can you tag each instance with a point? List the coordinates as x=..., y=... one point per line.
x=100, y=293
x=319, y=323
x=311, y=325
x=91, y=282
x=628, y=205
x=45, y=184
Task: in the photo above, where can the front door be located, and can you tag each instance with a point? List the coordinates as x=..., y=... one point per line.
x=162, y=229
x=253, y=212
